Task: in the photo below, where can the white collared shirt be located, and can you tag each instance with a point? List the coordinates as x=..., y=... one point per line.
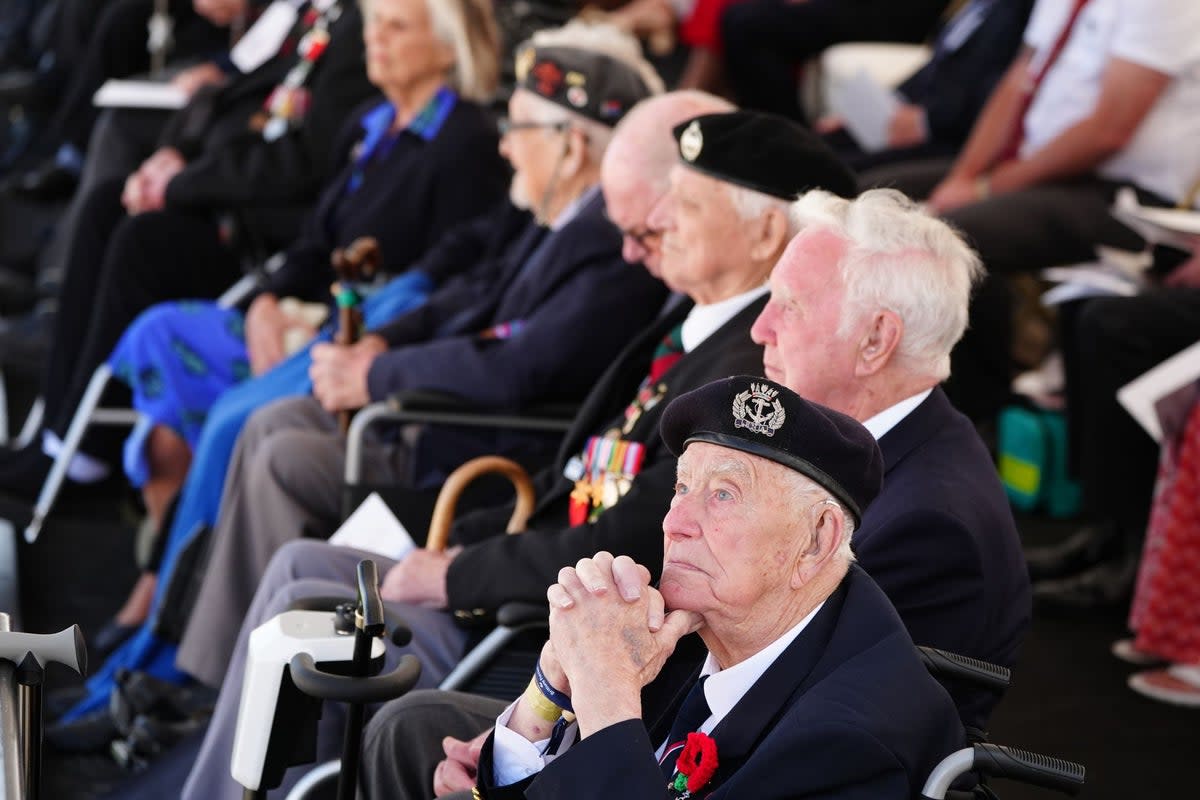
x=515, y=758
x=703, y=321
x=890, y=417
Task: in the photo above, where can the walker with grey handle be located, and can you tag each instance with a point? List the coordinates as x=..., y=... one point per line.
x=23, y=660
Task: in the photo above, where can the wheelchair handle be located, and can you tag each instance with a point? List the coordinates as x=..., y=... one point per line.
x=369, y=602
x=316, y=683
x=942, y=664
x=1050, y=773
x=1004, y=762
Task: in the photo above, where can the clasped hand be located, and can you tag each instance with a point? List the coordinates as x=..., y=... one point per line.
x=610, y=635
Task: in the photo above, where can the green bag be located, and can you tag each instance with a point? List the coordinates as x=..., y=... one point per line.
x=1032, y=456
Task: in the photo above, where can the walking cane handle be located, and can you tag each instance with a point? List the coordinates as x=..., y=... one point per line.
x=447, y=500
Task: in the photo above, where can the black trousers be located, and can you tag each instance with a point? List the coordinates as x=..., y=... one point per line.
x=1108, y=342
x=118, y=266
x=766, y=40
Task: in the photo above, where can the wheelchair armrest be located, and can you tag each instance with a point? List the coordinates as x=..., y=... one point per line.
x=520, y=614
x=436, y=408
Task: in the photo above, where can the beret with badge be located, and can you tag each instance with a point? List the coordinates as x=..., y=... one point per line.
x=767, y=419
x=764, y=152
x=589, y=83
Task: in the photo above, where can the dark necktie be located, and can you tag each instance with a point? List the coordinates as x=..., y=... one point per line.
x=691, y=716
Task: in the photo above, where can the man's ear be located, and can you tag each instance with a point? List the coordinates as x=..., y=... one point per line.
x=574, y=152
x=828, y=528
x=879, y=342
x=772, y=235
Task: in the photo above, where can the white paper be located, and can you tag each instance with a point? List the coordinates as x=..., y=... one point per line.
x=1142, y=396
x=1168, y=226
x=139, y=94
x=374, y=528
x=1119, y=273
x=867, y=109
x=264, y=38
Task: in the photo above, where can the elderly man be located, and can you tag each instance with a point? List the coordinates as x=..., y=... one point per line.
x=866, y=304
x=736, y=227
x=811, y=686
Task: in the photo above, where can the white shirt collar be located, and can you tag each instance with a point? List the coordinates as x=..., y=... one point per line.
x=703, y=321
x=726, y=687
x=572, y=210
x=887, y=419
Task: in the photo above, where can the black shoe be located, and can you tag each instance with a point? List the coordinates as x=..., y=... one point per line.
x=46, y=183
x=1085, y=548
x=91, y=733
x=22, y=472
x=1104, y=586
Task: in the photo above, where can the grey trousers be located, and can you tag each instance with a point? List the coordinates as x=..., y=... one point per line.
x=284, y=481
x=403, y=742
x=301, y=569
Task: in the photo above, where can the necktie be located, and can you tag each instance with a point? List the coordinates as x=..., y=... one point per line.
x=1013, y=146
x=691, y=716
x=668, y=351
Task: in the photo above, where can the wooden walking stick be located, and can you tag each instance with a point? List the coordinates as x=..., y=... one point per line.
x=447, y=499
x=353, y=265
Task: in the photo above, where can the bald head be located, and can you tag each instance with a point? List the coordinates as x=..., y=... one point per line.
x=638, y=160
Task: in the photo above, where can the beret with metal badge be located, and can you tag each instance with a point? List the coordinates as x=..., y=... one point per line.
x=766, y=419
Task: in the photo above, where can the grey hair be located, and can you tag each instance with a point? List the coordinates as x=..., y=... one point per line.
x=469, y=26
x=901, y=258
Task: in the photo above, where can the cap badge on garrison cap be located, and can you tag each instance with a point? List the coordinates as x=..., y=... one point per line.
x=524, y=62
x=691, y=141
x=758, y=409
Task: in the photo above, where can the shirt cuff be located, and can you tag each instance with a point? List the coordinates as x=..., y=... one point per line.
x=515, y=758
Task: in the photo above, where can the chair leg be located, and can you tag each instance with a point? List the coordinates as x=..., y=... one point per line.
x=58, y=472
x=32, y=424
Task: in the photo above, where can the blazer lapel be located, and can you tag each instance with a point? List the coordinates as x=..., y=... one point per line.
x=922, y=423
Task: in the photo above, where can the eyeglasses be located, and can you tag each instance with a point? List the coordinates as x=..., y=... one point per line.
x=506, y=125
x=641, y=236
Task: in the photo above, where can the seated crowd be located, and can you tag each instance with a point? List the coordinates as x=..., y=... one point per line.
x=784, y=349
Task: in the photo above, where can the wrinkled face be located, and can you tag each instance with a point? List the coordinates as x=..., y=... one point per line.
x=402, y=50
x=629, y=202
x=703, y=236
x=730, y=545
x=798, y=328
x=534, y=152
x=220, y=12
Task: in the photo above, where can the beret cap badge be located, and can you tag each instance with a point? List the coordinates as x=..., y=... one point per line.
x=758, y=409
x=691, y=141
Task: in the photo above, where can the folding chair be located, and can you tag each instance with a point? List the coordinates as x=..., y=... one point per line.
x=89, y=413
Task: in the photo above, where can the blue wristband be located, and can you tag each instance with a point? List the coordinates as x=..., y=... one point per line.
x=553, y=695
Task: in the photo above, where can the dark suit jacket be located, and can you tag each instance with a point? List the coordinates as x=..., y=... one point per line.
x=846, y=711
x=577, y=304
x=506, y=568
x=954, y=87
x=271, y=184
x=941, y=542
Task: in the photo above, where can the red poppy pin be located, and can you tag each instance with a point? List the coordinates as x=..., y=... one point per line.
x=696, y=765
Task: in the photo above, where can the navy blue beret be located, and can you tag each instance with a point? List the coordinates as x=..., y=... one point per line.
x=764, y=152
x=767, y=419
x=589, y=83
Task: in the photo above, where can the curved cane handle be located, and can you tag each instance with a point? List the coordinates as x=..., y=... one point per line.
x=447, y=500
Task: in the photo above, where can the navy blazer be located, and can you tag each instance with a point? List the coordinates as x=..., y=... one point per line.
x=847, y=711
x=499, y=568
x=575, y=304
x=941, y=542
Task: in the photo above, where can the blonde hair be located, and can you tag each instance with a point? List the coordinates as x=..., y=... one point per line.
x=469, y=26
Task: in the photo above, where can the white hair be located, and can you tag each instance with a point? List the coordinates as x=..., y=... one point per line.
x=803, y=492
x=901, y=258
x=469, y=26
x=751, y=204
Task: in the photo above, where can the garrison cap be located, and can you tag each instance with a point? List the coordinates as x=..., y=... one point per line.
x=767, y=419
x=589, y=83
x=764, y=152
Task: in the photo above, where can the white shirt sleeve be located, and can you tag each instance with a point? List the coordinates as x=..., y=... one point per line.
x=515, y=758
x=1163, y=35
x=1045, y=21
